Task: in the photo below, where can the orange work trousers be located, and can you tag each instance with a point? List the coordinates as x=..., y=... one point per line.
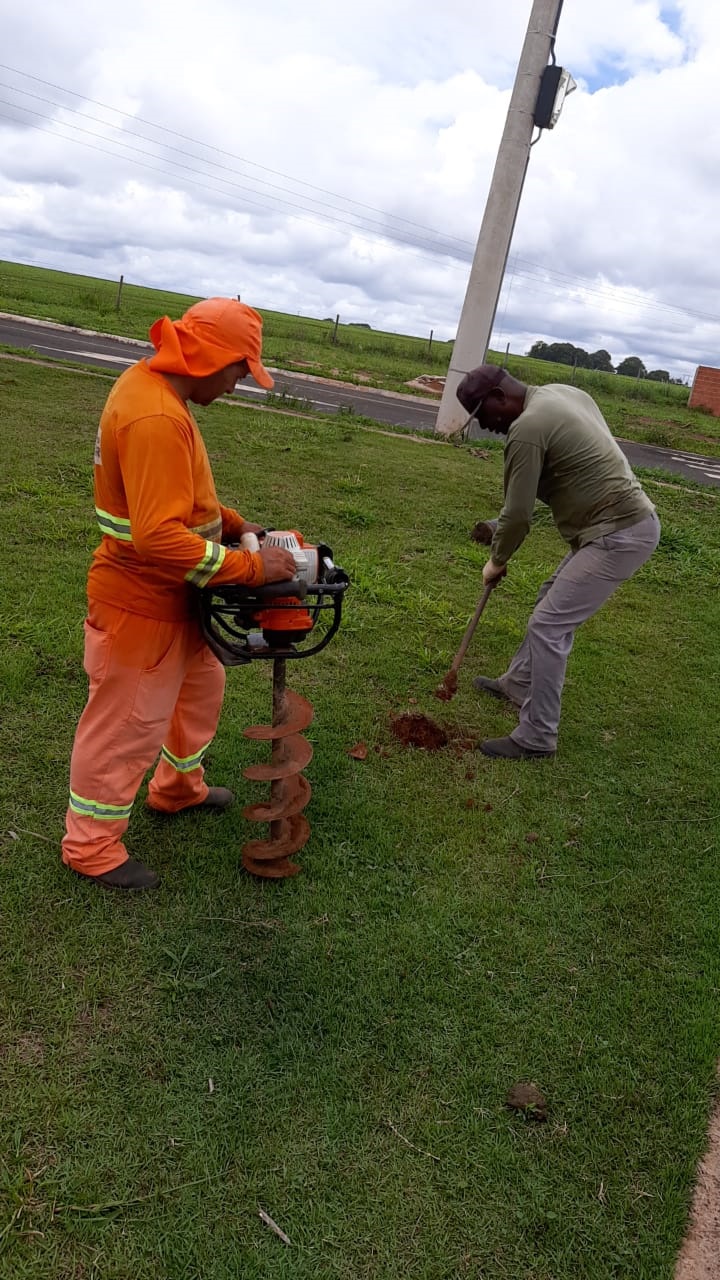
x=155, y=688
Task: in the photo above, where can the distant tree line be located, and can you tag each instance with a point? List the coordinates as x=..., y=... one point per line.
x=566, y=353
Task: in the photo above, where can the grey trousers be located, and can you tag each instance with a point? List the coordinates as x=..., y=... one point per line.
x=580, y=585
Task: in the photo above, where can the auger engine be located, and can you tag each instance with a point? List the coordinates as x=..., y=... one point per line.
x=278, y=621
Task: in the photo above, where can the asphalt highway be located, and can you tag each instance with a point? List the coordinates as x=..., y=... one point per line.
x=56, y=342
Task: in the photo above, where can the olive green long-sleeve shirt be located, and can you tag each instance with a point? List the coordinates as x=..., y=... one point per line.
x=561, y=451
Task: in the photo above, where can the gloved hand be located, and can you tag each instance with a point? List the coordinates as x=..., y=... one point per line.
x=492, y=573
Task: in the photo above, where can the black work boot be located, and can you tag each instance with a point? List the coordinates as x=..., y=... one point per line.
x=484, y=684
x=217, y=798
x=131, y=874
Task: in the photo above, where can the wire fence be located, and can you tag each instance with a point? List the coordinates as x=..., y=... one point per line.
x=119, y=306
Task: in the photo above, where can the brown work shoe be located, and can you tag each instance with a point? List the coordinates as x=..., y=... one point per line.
x=131, y=874
x=509, y=749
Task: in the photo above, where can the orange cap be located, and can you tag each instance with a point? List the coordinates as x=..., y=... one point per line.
x=211, y=335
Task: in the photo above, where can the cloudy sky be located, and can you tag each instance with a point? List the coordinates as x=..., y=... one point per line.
x=335, y=157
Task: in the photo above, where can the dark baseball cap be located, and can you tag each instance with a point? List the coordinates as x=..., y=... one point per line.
x=477, y=384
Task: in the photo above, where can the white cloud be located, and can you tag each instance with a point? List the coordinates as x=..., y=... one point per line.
x=299, y=134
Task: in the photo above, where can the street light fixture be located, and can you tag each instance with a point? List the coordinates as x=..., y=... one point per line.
x=555, y=84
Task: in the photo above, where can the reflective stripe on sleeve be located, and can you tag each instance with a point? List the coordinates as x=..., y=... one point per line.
x=94, y=809
x=184, y=764
x=213, y=530
x=210, y=563
x=113, y=526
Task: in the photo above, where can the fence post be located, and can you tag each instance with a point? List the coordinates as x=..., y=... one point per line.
x=117, y=300
x=430, y=342
x=334, y=337
x=507, y=353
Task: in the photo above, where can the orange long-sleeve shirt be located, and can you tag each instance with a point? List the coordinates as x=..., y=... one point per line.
x=156, y=505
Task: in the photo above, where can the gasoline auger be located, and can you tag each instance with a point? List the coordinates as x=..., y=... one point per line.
x=279, y=622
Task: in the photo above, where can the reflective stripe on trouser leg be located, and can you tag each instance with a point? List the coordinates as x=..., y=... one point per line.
x=179, y=779
x=184, y=764
x=584, y=582
x=136, y=667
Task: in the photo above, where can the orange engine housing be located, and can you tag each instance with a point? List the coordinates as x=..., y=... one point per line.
x=281, y=626
x=295, y=621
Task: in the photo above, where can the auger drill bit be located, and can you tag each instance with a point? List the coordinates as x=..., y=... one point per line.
x=289, y=791
x=278, y=621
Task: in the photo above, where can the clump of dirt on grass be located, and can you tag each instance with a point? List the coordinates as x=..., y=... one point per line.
x=528, y=1099
x=415, y=730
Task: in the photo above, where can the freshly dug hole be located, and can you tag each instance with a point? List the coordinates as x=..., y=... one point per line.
x=418, y=731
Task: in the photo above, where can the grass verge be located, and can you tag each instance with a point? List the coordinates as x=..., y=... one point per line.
x=636, y=409
x=337, y=1050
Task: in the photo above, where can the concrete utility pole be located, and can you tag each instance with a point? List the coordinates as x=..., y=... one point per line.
x=488, y=268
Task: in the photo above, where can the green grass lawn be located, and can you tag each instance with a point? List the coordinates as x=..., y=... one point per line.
x=649, y=412
x=336, y=1050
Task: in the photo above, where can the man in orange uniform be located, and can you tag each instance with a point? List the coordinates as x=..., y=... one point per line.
x=155, y=687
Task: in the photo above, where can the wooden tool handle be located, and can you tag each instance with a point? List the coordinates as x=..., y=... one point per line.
x=472, y=625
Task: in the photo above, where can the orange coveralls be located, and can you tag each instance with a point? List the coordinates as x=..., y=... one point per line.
x=155, y=687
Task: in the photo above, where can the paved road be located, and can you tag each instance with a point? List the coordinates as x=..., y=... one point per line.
x=61, y=343
x=55, y=341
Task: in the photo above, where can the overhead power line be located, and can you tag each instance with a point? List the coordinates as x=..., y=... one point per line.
x=226, y=180
x=385, y=214
x=217, y=182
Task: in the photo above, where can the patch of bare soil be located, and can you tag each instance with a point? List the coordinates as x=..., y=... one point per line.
x=427, y=382
x=30, y=1049
x=673, y=424
x=698, y=1258
x=697, y=435
x=415, y=730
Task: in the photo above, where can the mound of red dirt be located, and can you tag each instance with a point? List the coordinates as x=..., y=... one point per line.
x=414, y=730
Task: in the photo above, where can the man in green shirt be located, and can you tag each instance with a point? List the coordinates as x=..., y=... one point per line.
x=558, y=449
